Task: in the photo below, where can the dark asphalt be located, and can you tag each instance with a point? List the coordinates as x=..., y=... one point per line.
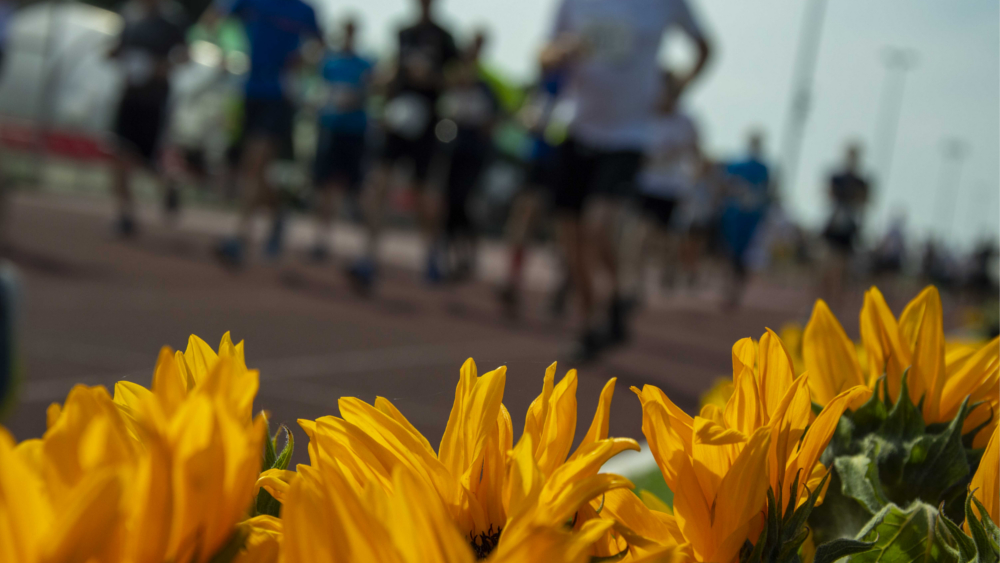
x=96, y=310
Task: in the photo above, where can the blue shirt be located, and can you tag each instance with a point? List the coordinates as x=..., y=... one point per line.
x=751, y=171
x=346, y=74
x=274, y=30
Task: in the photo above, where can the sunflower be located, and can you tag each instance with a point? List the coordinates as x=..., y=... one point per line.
x=175, y=478
x=471, y=471
x=939, y=375
x=327, y=518
x=178, y=375
x=721, y=463
x=44, y=518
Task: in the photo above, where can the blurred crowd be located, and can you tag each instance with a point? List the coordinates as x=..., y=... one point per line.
x=598, y=154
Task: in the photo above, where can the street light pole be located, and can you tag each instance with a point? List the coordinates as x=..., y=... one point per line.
x=954, y=151
x=897, y=62
x=802, y=81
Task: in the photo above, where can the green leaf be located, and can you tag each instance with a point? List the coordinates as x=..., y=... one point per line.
x=913, y=534
x=843, y=547
x=859, y=481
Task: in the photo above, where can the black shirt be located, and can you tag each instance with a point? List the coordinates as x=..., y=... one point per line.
x=848, y=189
x=148, y=39
x=425, y=49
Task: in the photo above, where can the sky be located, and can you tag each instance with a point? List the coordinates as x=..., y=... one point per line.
x=953, y=92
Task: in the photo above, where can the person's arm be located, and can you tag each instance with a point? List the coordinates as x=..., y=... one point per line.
x=686, y=21
x=563, y=45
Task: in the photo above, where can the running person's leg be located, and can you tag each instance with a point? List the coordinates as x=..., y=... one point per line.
x=138, y=127
x=373, y=201
x=575, y=168
x=429, y=205
x=521, y=222
x=266, y=122
x=613, y=178
x=338, y=170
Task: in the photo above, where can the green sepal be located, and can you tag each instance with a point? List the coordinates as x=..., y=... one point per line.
x=964, y=544
x=285, y=457
x=904, y=421
x=991, y=527
x=912, y=534
x=859, y=481
x=269, y=454
x=839, y=548
x=984, y=536
x=265, y=503
x=783, y=535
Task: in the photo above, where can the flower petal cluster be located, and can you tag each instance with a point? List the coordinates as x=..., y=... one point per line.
x=479, y=478
x=939, y=377
x=149, y=476
x=721, y=463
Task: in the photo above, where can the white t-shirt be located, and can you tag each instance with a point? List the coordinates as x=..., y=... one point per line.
x=671, y=157
x=615, y=82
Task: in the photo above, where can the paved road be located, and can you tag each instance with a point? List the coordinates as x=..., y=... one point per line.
x=97, y=310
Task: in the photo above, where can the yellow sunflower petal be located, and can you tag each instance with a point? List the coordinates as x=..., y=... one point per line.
x=985, y=485
x=921, y=327
x=829, y=356
x=599, y=426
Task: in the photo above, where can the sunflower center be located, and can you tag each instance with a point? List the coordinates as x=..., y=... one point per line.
x=485, y=542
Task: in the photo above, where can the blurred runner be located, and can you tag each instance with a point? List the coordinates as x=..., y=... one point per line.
x=470, y=109
x=151, y=43
x=275, y=30
x=610, y=50
x=849, y=194
x=749, y=193
x=529, y=205
x=343, y=123
x=425, y=50
x=666, y=182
